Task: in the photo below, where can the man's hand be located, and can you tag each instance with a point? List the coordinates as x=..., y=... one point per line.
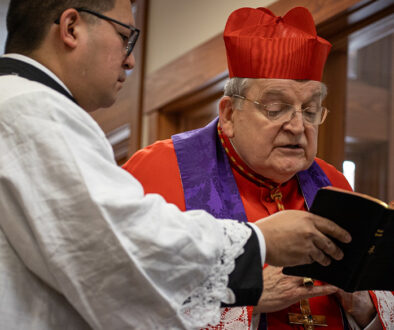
x=298, y=237
x=359, y=305
x=281, y=291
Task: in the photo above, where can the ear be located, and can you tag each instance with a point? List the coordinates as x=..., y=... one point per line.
x=69, y=23
x=226, y=119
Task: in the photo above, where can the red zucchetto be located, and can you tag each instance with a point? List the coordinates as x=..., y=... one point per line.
x=262, y=45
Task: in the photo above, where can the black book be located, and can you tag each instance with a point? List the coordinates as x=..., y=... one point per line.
x=368, y=262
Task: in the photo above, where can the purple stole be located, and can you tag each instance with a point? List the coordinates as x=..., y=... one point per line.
x=208, y=182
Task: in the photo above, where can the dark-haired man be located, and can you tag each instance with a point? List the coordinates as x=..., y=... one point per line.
x=80, y=245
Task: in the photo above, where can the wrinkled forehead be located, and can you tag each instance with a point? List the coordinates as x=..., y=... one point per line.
x=287, y=88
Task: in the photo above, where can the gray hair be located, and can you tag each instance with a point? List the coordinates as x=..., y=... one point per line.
x=239, y=86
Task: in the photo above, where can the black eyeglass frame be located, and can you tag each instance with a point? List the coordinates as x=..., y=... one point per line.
x=134, y=32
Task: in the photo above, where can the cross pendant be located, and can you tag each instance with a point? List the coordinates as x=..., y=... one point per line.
x=306, y=319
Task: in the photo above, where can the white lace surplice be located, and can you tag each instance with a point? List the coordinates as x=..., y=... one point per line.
x=80, y=244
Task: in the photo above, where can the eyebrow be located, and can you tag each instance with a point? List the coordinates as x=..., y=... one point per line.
x=281, y=93
x=274, y=93
x=316, y=95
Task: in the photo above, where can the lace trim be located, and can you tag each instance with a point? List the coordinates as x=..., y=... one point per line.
x=235, y=318
x=203, y=306
x=385, y=304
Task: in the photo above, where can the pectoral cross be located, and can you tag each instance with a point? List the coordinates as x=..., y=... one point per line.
x=308, y=320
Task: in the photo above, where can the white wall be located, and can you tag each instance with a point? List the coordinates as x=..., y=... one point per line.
x=3, y=29
x=177, y=26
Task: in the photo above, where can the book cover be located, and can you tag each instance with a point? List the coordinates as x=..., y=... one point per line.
x=368, y=262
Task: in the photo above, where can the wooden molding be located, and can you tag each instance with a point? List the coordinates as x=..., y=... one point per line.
x=187, y=74
x=332, y=132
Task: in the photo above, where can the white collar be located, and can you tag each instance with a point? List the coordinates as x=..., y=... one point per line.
x=38, y=65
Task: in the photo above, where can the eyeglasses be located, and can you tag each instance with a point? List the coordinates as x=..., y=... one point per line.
x=283, y=112
x=130, y=41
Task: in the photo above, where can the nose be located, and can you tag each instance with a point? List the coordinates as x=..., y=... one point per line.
x=129, y=62
x=296, y=123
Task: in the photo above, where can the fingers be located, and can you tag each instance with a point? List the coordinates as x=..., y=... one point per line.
x=324, y=244
x=330, y=228
x=318, y=256
x=298, y=237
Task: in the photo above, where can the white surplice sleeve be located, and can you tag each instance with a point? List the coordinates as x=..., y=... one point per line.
x=83, y=226
x=384, y=304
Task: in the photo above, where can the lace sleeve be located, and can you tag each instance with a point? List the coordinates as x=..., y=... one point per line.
x=203, y=305
x=384, y=304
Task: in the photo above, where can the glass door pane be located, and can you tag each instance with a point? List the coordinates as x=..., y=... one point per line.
x=369, y=142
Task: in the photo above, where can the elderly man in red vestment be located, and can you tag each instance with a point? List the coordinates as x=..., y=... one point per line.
x=264, y=145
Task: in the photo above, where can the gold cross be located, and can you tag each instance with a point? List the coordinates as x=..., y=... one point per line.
x=308, y=320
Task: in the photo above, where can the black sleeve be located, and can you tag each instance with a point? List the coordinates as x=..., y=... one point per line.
x=246, y=280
